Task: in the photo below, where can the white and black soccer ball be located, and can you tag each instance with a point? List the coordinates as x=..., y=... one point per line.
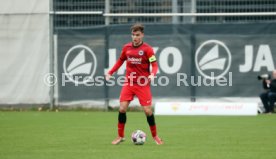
x=138, y=137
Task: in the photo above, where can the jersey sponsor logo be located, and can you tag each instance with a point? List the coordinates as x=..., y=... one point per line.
x=134, y=60
x=152, y=58
x=80, y=61
x=141, y=52
x=213, y=59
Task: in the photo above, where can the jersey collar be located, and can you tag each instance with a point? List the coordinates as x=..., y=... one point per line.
x=137, y=45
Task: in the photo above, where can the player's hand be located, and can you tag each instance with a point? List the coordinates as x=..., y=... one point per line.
x=151, y=77
x=107, y=77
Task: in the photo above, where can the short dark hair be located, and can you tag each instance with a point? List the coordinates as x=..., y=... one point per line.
x=137, y=27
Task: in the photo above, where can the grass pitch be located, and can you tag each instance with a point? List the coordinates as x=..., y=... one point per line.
x=88, y=135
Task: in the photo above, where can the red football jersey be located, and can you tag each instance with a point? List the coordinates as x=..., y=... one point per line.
x=138, y=60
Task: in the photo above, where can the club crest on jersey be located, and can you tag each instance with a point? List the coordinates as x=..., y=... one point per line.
x=141, y=52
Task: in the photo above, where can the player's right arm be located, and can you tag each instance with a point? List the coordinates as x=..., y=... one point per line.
x=117, y=65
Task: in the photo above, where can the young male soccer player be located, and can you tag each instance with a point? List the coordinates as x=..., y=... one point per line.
x=139, y=56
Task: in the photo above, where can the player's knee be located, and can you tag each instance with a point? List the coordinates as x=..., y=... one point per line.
x=122, y=110
x=148, y=112
x=123, y=107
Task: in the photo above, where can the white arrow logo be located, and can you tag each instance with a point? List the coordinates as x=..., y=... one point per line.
x=211, y=59
x=78, y=65
x=83, y=64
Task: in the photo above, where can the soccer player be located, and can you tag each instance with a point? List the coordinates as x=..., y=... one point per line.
x=138, y=56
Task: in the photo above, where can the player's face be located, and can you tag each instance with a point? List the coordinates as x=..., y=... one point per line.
x=137, y=37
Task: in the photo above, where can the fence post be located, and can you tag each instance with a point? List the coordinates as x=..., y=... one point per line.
x=174, y=10
x=51, y=53
x=193, y=10
x=107, y=10
x=106, y=89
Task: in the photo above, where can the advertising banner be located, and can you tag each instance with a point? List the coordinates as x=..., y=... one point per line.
x=194, y=61
x=206, y=108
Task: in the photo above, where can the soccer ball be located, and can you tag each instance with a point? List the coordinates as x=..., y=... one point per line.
x=138, y=137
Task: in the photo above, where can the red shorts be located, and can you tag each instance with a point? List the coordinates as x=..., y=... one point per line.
x=143, y=93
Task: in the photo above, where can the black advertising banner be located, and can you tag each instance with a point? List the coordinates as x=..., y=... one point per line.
x=241, y=58
x=80, y=59
x=194, y=60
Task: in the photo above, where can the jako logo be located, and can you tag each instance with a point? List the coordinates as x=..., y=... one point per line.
x=213, y=59
x=79, y=64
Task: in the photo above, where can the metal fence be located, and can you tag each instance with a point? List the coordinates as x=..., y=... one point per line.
x=87, y=13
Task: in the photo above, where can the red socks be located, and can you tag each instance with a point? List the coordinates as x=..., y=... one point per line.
x=121, y=129
x=153, y=130
x=122, y=121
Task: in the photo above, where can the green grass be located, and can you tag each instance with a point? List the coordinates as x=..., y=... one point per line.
x=88, y=135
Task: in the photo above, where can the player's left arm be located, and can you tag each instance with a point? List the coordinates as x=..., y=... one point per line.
x=153, y=62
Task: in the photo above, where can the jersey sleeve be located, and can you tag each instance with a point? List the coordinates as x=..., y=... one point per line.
x=119, y=62
x=152, y=60
x=123, y=56
x=151, y=55
x=154, y=66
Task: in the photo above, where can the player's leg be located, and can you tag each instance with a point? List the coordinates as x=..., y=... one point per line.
x=145, y=98
x=121, y=122
x=152, y=124
x=125, y=97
